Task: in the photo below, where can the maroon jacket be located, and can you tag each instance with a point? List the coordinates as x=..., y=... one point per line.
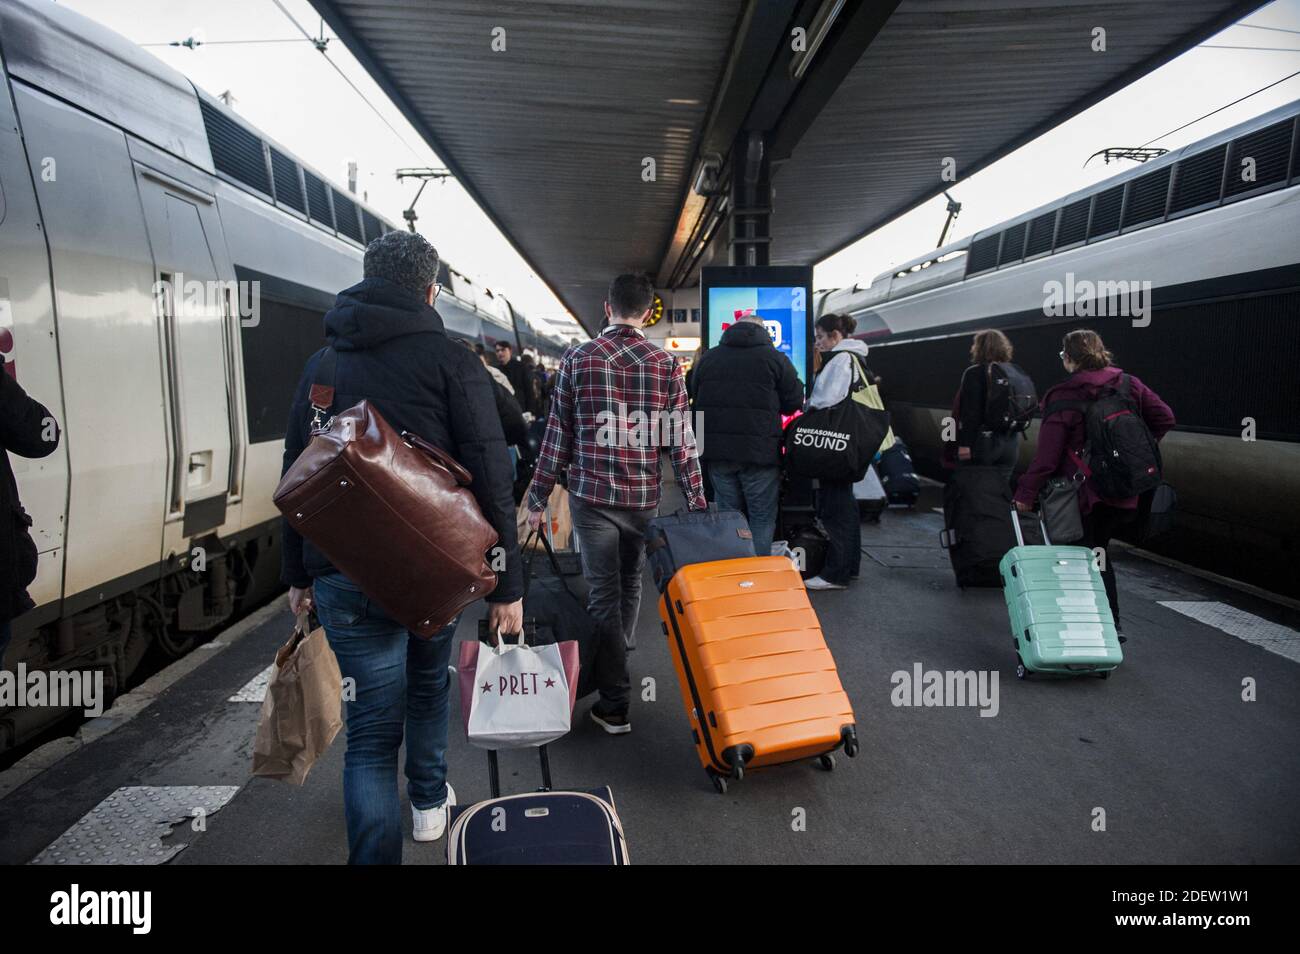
x=1064, y=431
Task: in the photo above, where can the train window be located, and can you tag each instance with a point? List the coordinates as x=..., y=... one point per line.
x=236, y=152
x=345, y=215
x=284, y=172
x=1013, y=244
x=1198, y=180
x=371, y=223
x=1041, y=229
x=1147, y=196
x=1259, y=159
x=983, y=253
x=318, y=200
x=1105, y=212
x=1074, y=223
x=289, y=329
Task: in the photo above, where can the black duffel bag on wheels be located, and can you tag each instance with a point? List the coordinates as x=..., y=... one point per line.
x=976, y=506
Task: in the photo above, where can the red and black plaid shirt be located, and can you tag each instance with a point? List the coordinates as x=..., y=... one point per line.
x=618, y=400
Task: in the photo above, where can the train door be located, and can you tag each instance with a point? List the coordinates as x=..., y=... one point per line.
x=29, y=353
x=194, y=314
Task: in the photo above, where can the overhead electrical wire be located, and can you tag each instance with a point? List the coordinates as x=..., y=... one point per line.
x=320, y=45
x=1222, y=108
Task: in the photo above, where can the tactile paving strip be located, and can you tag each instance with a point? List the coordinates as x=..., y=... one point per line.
x=1274, y=637
x=127, y=828
x=255, y=689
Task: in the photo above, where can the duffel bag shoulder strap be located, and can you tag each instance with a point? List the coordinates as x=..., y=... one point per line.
x=321, y=394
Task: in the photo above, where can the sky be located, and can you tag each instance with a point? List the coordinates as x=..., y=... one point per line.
x=294, y=96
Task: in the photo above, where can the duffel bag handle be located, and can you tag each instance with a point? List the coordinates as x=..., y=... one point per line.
x=462, y=476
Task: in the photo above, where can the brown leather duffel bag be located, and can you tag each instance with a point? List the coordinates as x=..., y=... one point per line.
x=391, y=512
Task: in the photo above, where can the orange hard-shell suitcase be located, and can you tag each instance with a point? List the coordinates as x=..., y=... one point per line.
x=759, y=684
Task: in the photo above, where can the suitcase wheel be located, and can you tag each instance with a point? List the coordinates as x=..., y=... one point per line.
x=827, y=762
x=1104, y=675
x=1021, y=671
x=850, y=736
x=719, y=783
x=736, y=756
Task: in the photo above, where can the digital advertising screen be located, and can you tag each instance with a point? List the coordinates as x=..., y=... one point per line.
x=780, y=295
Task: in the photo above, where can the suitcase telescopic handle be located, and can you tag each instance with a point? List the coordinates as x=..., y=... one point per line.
x=1020, y=538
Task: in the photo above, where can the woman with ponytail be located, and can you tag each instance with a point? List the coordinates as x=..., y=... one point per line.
x=1062, y=436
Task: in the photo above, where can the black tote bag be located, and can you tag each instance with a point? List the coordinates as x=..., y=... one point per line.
x=837, y=442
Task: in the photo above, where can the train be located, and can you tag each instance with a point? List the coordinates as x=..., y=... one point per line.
x=1188, y=266
x=122, y=188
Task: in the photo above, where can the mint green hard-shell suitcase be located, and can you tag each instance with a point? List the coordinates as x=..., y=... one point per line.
x=1060, y=616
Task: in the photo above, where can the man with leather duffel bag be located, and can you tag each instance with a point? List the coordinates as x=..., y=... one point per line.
x=387, y=347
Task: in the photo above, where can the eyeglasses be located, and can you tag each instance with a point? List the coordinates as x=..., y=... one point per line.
x=1062, y=355
x=437, y=289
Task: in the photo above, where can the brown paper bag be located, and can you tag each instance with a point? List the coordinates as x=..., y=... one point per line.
x=302, y=711
x=559, y=515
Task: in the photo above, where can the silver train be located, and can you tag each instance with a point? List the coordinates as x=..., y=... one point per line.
x=120, y=181
x=1214, y=228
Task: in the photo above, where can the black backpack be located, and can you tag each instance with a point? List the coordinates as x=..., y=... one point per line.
x=1120, y=452
x=1011, y=401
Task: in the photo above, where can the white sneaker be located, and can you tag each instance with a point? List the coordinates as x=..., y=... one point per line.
x=430, y=823
x=817, y=583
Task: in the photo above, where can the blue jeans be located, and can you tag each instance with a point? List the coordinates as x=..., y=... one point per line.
x=838, y=512
x=753, y=490
x=401, y=681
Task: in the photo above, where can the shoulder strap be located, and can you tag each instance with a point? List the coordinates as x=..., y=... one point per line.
x=1055, y=406
x=322, y=386
x=321, y=393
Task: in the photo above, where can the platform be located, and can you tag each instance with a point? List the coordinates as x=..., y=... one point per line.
x=1185, y=770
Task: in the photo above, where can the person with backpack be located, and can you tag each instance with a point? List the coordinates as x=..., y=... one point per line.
x=994, y=405
x=1100, y=431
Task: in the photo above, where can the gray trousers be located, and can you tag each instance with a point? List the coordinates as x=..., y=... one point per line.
x=612, y=544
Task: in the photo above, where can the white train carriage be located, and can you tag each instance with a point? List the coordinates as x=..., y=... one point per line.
x=1203, y=241
x=123, y=190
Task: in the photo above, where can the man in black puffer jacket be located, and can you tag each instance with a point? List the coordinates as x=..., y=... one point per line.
x=740, y=389
x=393, y=352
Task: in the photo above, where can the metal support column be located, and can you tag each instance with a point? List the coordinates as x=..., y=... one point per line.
x=751, y=201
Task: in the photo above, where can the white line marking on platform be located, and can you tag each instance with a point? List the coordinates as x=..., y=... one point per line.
x=255, y=689
x=127, y=828
x=1246, y=626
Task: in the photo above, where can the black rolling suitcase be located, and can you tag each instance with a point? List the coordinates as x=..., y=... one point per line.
x=537, y=828
x=976, y=513
x=901, y=484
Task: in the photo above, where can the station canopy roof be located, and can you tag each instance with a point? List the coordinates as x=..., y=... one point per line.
x=548, y=113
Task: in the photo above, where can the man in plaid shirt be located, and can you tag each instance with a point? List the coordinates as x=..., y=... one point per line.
x=618, y=400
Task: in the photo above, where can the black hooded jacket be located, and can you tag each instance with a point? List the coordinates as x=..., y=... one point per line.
x=28, y=430
x=394, y=353
x=740, y=390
